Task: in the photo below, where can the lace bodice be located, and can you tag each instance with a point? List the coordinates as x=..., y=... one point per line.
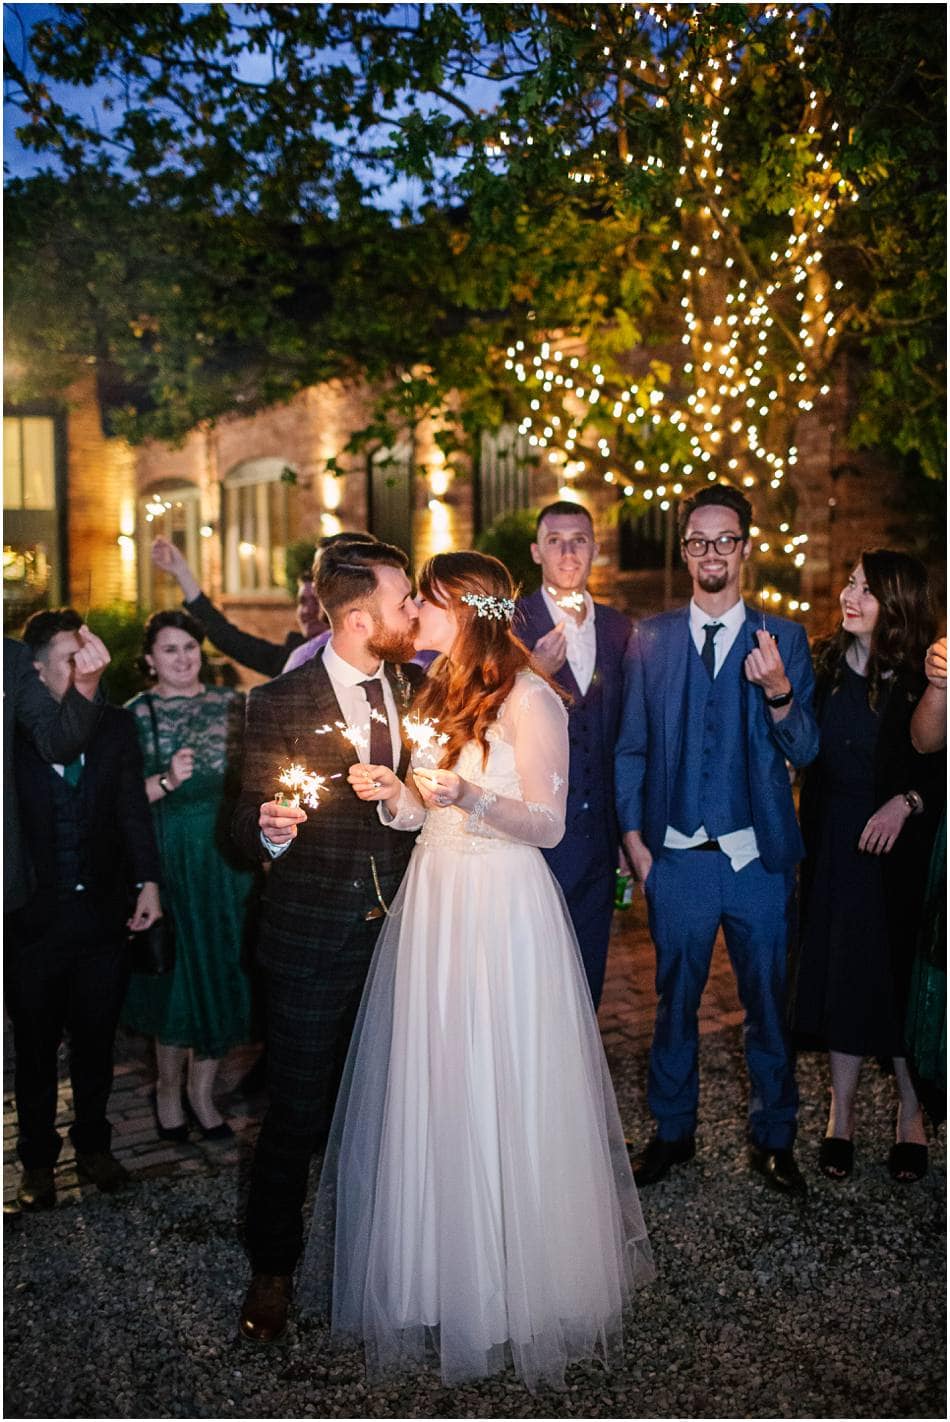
x=523, y=783
x=211, y=724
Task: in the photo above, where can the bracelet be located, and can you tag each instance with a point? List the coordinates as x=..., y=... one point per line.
x=914, y=802
x=163, y=782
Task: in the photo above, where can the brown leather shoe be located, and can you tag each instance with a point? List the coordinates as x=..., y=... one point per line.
x=37, y=1190
x=265, y=1307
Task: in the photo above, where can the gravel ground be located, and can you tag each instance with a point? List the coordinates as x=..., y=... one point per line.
x=762, y=1307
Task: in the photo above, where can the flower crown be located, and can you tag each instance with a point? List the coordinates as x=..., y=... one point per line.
x=500, y=608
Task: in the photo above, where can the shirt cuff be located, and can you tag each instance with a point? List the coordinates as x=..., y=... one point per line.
x=274, y=850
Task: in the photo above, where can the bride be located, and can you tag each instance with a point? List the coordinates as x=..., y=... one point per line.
x=476, y=1201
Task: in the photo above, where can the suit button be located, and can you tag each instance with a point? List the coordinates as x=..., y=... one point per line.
x=357, y=883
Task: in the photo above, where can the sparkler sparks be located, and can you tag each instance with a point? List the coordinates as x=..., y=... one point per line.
x=569, y=601
x=303, y=785
x=425, y=739
x=358, y=736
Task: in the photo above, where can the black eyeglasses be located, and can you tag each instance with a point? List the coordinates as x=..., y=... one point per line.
x=725, y=544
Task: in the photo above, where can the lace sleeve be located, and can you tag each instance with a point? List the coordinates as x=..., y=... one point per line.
x=535, y=721
x=408, y=814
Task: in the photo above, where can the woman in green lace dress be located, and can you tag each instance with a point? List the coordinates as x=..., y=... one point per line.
x=190, y=736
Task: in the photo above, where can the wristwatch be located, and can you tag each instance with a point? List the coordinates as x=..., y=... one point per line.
x=777, y=701
x=914, y=802
x=163, y=782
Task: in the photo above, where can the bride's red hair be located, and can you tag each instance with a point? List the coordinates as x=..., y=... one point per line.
x=465, y=692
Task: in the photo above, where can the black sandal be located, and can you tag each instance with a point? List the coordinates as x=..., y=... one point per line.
x=836, y=1157
x=907, y=1162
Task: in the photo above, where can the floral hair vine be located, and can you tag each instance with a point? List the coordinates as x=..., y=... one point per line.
x=502, y=609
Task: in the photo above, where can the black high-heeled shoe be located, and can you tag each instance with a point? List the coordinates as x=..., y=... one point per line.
x=836, y=1157
x=179, y=1134
x=220, y=1132
x=907, y=1162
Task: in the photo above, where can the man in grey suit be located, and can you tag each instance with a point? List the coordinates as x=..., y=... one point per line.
x=333, y=874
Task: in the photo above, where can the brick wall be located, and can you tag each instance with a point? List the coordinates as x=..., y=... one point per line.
x=101, y=506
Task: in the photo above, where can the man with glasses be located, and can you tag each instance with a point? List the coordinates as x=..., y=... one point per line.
x=717, y=698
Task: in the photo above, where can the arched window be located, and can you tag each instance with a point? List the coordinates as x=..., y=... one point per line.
x=258, y=520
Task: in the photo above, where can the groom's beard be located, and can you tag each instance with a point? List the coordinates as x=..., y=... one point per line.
x=391, y=646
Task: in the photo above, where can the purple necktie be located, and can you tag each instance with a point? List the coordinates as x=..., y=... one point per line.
x=380, y=739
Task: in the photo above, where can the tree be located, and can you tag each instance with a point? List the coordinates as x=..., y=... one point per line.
x=702, y=203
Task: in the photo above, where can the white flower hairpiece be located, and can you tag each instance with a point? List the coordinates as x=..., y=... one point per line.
x=500, y=608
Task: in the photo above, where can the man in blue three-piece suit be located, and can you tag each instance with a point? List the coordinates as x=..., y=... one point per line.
x=581, y=645
x=716, y=700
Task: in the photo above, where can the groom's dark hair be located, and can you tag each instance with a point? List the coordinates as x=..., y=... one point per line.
x=346, y=573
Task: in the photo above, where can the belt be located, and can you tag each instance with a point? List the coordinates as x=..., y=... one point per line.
x=707, y=844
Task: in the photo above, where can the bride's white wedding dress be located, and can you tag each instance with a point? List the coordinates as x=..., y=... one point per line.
x=476, y=1197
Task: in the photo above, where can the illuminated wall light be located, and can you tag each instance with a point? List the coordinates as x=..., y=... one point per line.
x=331, y=491
x=247, y=550
x=439, y=482
x=330, y=524
x=206, y=530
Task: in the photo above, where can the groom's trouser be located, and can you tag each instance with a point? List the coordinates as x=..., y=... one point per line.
x=689, y=894
x=309, y=1022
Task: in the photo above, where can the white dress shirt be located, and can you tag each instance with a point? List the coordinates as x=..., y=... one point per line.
x=581, y=638
x=740, y=845
x=354, y=707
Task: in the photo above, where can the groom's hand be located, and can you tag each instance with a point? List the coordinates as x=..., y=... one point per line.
x=373, y=782
x=279, y=822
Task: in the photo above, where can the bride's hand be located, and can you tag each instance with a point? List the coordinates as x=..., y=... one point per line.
x=374, y=782
x=438, y=788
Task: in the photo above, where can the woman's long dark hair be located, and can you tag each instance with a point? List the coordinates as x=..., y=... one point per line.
x=905, y=627
x=465, y=693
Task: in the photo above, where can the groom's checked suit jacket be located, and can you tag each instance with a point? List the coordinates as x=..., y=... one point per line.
x=323, y=884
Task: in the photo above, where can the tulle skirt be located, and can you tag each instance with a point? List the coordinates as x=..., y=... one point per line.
x=476, y=1204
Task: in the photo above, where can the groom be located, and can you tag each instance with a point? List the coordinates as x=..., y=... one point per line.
x=334, y=870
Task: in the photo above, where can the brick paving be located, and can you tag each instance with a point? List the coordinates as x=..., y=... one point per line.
x=626, y=1020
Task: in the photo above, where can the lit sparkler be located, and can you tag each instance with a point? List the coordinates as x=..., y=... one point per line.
x=425, y=739
x=570, y=601
x=302, y=785
x=358, y=736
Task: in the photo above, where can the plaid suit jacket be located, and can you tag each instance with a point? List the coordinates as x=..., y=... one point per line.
x=323, y=886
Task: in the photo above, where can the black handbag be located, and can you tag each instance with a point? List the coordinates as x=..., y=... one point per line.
x=152, y=949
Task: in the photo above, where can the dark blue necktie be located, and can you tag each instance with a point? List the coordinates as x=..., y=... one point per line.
x=380, y=740
x=708, y=653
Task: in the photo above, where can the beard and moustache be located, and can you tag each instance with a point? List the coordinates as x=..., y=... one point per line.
x=390, y=646
x=713, y=582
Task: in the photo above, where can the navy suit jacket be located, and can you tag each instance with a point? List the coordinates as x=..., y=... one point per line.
x=648, y=749
x=597, y=825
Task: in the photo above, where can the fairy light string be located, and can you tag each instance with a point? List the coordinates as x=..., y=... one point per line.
x=756, y=340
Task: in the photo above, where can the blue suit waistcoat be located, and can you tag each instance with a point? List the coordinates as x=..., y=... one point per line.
x=651, y=733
